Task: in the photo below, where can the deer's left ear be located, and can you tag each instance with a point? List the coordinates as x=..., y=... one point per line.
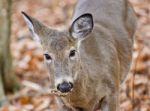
x=82, y=26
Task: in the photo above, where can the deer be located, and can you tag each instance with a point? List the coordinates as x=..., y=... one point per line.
x=89, y=60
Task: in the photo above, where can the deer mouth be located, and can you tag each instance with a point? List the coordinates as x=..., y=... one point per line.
x=59, y=93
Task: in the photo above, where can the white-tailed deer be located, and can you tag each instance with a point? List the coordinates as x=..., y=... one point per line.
x=90, y=60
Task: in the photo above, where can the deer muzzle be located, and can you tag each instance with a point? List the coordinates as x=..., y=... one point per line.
x=65, y=87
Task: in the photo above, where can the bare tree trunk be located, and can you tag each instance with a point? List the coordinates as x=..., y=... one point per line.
x=7, y=78
x=2, y=96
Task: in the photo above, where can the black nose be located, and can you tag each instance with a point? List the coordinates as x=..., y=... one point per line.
x=65, y=87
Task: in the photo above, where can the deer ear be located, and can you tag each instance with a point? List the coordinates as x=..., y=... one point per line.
x=82, y=26
x=36, y=27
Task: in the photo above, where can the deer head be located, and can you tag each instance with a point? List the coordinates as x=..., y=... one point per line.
x=61, y=48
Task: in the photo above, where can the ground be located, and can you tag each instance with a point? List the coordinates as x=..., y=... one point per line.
x=30, y=69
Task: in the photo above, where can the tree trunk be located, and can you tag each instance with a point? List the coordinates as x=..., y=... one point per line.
x=2, y=96
x=7, y=78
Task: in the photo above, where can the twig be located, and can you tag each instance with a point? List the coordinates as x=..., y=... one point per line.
x=36, y=87
x=45, y=91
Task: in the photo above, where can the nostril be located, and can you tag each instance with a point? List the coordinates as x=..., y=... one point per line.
x=65, y=87
x=58, y=87
x=71, y=85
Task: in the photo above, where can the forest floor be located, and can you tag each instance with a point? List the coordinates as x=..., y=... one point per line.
x=33, y=76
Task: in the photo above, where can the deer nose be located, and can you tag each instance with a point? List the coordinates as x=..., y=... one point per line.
x=65, y=87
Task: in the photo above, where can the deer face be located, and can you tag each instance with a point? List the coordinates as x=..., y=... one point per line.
x=61, y=49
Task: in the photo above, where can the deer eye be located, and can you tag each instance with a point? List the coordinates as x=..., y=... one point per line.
x=72, y=53
x=47, y=57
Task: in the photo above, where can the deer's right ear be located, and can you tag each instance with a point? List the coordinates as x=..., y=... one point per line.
x=34, y=26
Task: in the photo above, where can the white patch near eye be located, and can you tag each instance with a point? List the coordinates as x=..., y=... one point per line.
x=47, y=58
x=73, y=54
x=48, y=61
x=74, y=57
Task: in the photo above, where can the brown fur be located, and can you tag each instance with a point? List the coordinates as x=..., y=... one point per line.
x=103, y=57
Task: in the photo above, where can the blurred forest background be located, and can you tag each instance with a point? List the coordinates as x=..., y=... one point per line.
x=23, y=87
